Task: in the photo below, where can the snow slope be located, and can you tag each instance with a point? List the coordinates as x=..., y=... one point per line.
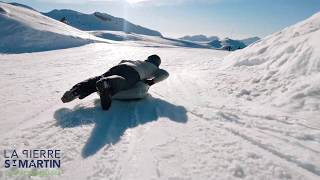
x=187, y=129
x=25, y=30
x=285, y=67
x=99, y=21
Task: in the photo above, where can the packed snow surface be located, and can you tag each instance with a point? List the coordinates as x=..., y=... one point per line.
x=26, y=30
x=191, y=127
x=285, y=67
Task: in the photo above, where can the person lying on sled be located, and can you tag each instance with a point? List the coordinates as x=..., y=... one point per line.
x=126, y=81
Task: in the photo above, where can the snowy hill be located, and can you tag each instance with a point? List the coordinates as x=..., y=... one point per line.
x=199, y=38
x=99, y=21
x=227, y=44
x=249, y=41
x=25, y=30
x=285, y=67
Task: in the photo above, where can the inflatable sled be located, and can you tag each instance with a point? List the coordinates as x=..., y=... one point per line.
x=137, y=92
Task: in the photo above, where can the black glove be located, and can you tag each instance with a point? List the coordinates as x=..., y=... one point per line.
x=149, y=82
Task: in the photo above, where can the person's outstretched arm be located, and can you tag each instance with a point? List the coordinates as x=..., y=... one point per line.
x=159, y=76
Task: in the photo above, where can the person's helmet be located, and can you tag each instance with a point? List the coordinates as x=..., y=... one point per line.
x=154, y=59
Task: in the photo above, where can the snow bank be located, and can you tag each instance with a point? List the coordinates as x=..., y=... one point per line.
x=285, y=66
x=25, y=30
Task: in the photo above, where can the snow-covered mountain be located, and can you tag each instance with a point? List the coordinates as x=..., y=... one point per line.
x=285, y=66
x=99, y=21
x=227, y=44
x=26, y=30
x=216, y=42
x=249, y=41
x=199, y=38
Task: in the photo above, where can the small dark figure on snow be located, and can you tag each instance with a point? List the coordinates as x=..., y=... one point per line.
x=64, y=20
x=125, y=81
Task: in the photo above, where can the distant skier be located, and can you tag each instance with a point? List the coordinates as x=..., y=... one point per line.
x=64, y=20
x=127, y=80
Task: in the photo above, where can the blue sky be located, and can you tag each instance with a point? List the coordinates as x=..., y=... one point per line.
x=175, y=18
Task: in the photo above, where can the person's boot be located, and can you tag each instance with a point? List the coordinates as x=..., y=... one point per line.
x=70, y=95
x=104, y=90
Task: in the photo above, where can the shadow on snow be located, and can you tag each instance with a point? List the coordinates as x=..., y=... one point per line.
x=111, y=125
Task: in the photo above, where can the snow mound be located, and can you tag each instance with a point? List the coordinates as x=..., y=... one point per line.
x=24, y=30
x=285, y=66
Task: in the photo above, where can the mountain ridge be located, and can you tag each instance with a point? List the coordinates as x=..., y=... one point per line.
x=199, y=38
x=99, y=21
x=208, y=39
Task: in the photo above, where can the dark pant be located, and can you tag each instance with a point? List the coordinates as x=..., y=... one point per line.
x=120, y=77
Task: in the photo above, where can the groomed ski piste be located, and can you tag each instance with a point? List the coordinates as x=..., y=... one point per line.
x=251, y=114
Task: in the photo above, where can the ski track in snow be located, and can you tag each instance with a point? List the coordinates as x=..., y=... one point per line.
x=195, y=125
